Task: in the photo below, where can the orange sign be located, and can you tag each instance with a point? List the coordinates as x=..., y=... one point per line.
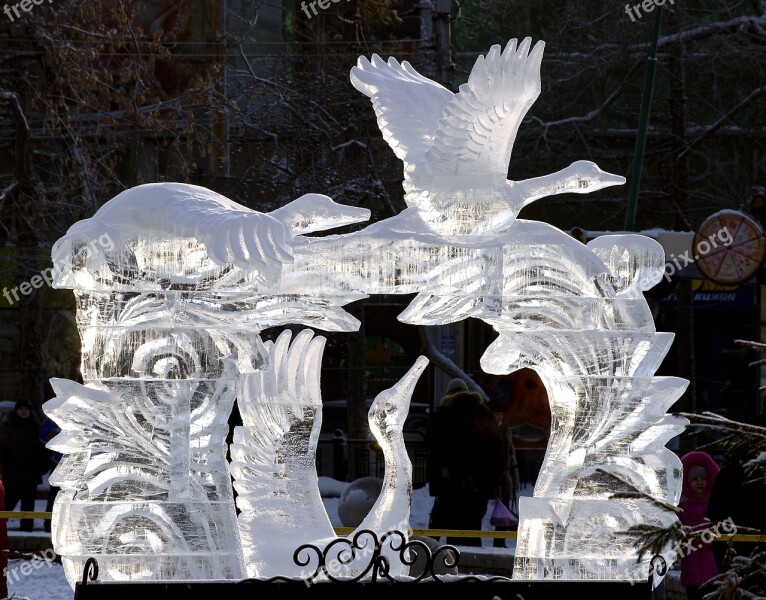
x=729, y=247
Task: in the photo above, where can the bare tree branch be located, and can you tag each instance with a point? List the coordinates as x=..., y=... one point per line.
x=712, y=29
x=445, y=364
x=747, y=101
x=22, y=136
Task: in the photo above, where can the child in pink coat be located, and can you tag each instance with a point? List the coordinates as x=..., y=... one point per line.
x=699, y=565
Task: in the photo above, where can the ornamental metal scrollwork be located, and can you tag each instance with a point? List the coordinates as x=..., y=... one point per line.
x=342, y=560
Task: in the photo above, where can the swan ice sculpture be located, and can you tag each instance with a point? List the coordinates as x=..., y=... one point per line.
x=456, y=147
x=170, y=318
x=187, y=236
x=274, y=469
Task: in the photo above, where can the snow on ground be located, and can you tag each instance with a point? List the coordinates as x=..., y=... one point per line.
x=37, y=580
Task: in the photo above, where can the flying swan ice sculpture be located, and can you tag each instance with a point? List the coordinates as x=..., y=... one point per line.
x=456, y=147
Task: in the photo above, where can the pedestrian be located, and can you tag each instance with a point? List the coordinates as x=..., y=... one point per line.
x=698, y=562
x=49, y=430
x=22, y=457
x=508, y=490
x=464, y=462
x=4, y=553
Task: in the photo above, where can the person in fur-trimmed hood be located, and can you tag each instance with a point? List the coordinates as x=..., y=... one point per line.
x=21, y=458
x=698, y=563
x=464, y=461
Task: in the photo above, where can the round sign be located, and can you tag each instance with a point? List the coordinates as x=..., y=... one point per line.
x=729, y=247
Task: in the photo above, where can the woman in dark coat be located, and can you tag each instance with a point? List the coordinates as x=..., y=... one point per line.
x=464, y=463
x=21, y=456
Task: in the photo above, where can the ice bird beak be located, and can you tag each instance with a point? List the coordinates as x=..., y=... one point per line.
x=608, y=179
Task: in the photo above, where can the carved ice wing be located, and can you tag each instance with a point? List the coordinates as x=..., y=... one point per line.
x=408, y=105
x=273, y=455
x=231, y=233
x=245, y=239
x=101, y=445
x=477, y=132
x=290, y=377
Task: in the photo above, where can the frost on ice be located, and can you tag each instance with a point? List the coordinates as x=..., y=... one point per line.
x=171, y=315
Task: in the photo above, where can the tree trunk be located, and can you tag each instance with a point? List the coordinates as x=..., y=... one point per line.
x=685, y=295
x=25, y=238
x=358, y=428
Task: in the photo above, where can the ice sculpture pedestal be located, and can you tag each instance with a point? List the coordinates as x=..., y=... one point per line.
x=459, y=588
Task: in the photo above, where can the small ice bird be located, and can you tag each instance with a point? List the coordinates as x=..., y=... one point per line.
x=456, y=147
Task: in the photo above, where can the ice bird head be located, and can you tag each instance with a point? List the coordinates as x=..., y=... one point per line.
x=390, y=408
x=581, y=177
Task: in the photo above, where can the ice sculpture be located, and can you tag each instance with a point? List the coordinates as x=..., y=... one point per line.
x=274, y=469
x=144, y=481
x=575, y=314
x=597, y=355
x=168, y=321
x=456, y=147
x=171, y=315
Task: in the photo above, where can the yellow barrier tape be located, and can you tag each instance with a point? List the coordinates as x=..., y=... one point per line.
x=513, y=535
x=9, y=514
x=446, y=532
x=741, y=538
x=24, y=514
